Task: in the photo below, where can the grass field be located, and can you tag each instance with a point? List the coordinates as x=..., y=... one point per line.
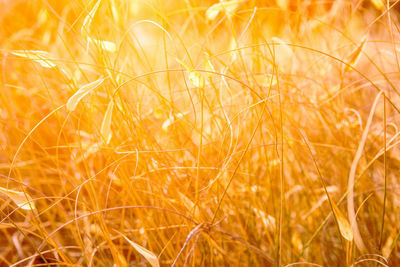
x=199, y=133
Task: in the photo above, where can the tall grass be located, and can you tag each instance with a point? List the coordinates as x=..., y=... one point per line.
x=199, y=133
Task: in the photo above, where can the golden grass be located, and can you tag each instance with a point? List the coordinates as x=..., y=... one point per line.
x=199, y=133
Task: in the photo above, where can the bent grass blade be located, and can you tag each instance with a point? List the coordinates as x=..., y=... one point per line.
x=344, y=225
x=41, y=57
x=74, y=100
x=355, y=55
x=147, y=254
x=23, y=200
x=89, y=18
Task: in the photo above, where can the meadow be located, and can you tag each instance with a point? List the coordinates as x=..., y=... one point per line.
x=199, y=133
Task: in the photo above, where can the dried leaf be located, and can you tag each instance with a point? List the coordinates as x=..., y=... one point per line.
x=147, y=254
x=228, y=7
x=355, y=55
x=105, y=129
x=23, y=200
x=104, y=45
x=41, y=57
x=84, y=90
x=344, y=225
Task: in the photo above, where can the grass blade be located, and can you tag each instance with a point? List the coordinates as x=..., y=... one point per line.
x=23, y=200
x=104, y=45
x=147, y=254
x=41, y=57
x=89, y=18
x=105, y=129
x=350, y=190
x=344, y=225
x=355, y=55
x=74, y=100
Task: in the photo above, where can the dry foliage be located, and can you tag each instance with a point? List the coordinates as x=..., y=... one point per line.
x=199, y=133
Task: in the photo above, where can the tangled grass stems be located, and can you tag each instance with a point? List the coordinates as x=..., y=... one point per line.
x=199, y=133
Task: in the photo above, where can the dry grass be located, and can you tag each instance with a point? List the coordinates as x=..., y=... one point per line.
x=250, y=133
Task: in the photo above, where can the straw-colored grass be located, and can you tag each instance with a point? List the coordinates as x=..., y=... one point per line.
x=199, y=133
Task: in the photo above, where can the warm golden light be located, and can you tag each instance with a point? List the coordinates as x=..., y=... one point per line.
x=199, y=133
